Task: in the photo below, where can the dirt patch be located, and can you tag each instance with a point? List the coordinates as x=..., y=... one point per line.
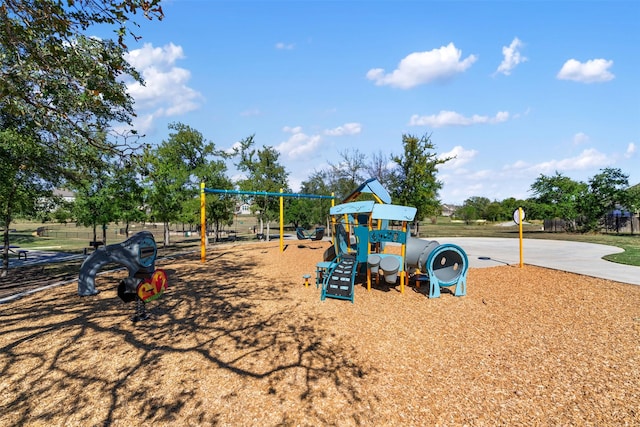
x=239, y=340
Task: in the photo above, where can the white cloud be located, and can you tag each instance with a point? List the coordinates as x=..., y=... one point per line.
x=423, y=67
x=289, y=129
x=589, y=158
x=519, y=164
x=631, y=150
x=452, y=118
x=299, y=144
x=285, y=46
x=512, y=57
x=580, y=138
x=592, y=71
x=346, y=129
x=515, y=179
x=251, y=112
x=148, y=56
x=460, y=155
x=166, y=92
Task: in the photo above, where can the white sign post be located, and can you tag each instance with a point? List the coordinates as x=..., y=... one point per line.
x=518, y=218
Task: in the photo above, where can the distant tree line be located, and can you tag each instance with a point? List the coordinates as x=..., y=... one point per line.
x=161, y=184
x=581, y=206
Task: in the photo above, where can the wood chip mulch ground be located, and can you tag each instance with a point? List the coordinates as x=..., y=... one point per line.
x=240, y=341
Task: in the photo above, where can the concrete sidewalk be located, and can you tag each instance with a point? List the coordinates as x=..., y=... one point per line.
x=36, y=257
x=575, y=257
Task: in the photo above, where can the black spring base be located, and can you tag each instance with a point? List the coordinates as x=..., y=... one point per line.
x=141, y=311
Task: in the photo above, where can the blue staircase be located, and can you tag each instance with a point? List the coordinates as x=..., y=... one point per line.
x=339, y=282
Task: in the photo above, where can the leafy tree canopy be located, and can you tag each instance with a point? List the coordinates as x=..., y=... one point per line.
x=558, y=196
x=414, y=180
x=173, y=171
x=57, y=79
x=263, y=173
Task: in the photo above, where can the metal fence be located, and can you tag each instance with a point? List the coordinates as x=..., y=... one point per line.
x=611, y=224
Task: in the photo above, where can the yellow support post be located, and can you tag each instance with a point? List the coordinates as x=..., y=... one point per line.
x=520, y=227
x=203, y=225
x=333, y=220
x=403, y=253
x=281, y=221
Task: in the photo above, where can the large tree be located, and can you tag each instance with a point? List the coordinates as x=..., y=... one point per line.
x=61, y=89
x=559, y=196
x=346, y=175
x=95, y=201
x=127, y=185
x=381, y=168
x=26, y=178
x=264, y=173
x=474, y=208
x=173, y=172
x=414, y=179
x=306, y=212
x=608, y=190
x=220, y=208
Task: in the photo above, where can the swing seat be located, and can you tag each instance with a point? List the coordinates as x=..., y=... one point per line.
x=303, y=235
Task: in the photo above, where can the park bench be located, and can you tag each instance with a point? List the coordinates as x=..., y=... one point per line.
x=20, y=252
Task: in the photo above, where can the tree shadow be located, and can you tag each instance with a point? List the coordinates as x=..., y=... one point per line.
x=65, y=350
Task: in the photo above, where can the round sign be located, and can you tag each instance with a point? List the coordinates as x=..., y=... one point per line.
x=516, y=218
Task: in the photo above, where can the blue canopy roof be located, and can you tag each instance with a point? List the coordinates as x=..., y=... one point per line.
x=373, y=187
x=352, y=208
x=394, y=212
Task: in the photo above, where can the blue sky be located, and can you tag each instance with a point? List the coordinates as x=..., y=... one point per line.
x=512, y=89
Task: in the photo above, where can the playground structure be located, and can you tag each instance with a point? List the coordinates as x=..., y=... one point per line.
x=138, y=254
x=360, y=232
x=363, y=230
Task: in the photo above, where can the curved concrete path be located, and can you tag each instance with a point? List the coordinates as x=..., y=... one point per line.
x=37, y=256
x=575, y=257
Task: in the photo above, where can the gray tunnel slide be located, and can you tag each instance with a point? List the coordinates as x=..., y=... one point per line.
x=445, y=264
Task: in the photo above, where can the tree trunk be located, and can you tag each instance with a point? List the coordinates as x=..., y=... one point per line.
x=7, y=222
x=206, y=236
x=5, y=250
x=166, y=234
